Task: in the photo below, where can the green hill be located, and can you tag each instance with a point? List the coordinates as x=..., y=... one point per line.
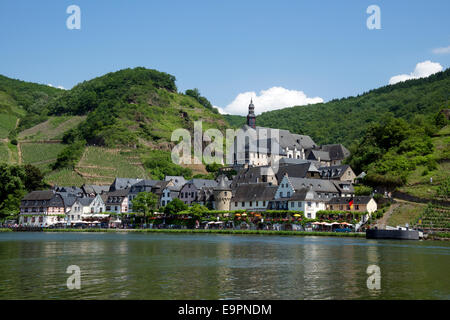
x=25, y=100
x=130, y=107
x=346, y=120
x=128, y=115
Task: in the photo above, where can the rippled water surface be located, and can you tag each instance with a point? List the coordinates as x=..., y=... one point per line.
x=186, y=266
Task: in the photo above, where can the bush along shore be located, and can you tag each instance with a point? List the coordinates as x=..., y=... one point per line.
x=218, y=231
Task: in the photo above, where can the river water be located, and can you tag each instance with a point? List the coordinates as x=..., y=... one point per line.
x=208, y=266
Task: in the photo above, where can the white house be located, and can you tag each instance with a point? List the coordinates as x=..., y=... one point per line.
x=300, y=195
x=84, y=207
x=252, y=196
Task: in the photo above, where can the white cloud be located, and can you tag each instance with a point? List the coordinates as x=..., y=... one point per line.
x=59, y=87
x=422, y=70
x=267, y=100
x=443, y=50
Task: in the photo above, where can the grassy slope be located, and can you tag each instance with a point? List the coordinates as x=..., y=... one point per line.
x=52, y=129
x=418, y=183
x=405, y=213
x=10, y=111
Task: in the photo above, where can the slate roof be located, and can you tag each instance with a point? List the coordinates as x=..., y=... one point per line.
x=74, y=190
x=42, y=198
x=223, y=184
x=336, y=151
x=356, y=200
x=317, y=185
x=250, y=175
x=340, y=186
x=143, y=185
x=122, y=183
x=177, y=180
x=86, y=201
x=39, y=195
x=118, y=193
x=333, y=171
x=200, y=183
x=285, y=138
x=296, y=170
x=90, y=188
x=304, y=194
x=254, y=192
x=116, y=197
x=318, y=154
x=69, y=199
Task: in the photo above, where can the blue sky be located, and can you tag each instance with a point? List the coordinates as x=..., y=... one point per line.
x=226, y=48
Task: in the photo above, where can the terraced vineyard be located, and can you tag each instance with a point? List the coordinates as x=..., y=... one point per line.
x=7, y=123
x=101, y=165
x=52, y=129
x=434, y=219
x=4, y=153
x=41, y=155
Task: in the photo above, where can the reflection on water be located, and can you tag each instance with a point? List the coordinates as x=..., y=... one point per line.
x=166, y=266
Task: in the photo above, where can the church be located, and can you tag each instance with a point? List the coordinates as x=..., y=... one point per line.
x=264, y=146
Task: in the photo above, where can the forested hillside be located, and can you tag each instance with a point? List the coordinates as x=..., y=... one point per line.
x=346, y=120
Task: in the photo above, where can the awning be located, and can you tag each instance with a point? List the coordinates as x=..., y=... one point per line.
x=98, y=215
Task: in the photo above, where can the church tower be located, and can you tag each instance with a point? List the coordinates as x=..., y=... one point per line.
x=251, y=118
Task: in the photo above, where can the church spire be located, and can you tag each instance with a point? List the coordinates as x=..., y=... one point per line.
x=251, y=118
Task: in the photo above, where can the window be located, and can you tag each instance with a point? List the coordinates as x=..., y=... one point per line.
x=309, y=204
x=292, y=204
x=41, y=219
x=243, y=203
x=299, y=204
x=250, y=203
x=288, y=194
x=163, y=203
x=309, y=215
x=264, y=203
x=357, y=207
x=281, y=194
x=235, y=204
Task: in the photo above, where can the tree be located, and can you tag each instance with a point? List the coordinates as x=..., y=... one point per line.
x=34, y=179
x=145, y=203
x=197, y=210
x=175, y=206
x=12, y=188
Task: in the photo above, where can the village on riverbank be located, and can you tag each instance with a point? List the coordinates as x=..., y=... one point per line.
x=309, y=189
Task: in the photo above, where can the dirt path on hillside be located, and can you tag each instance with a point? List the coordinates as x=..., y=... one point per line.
x=381, y=223
x=19, y=152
